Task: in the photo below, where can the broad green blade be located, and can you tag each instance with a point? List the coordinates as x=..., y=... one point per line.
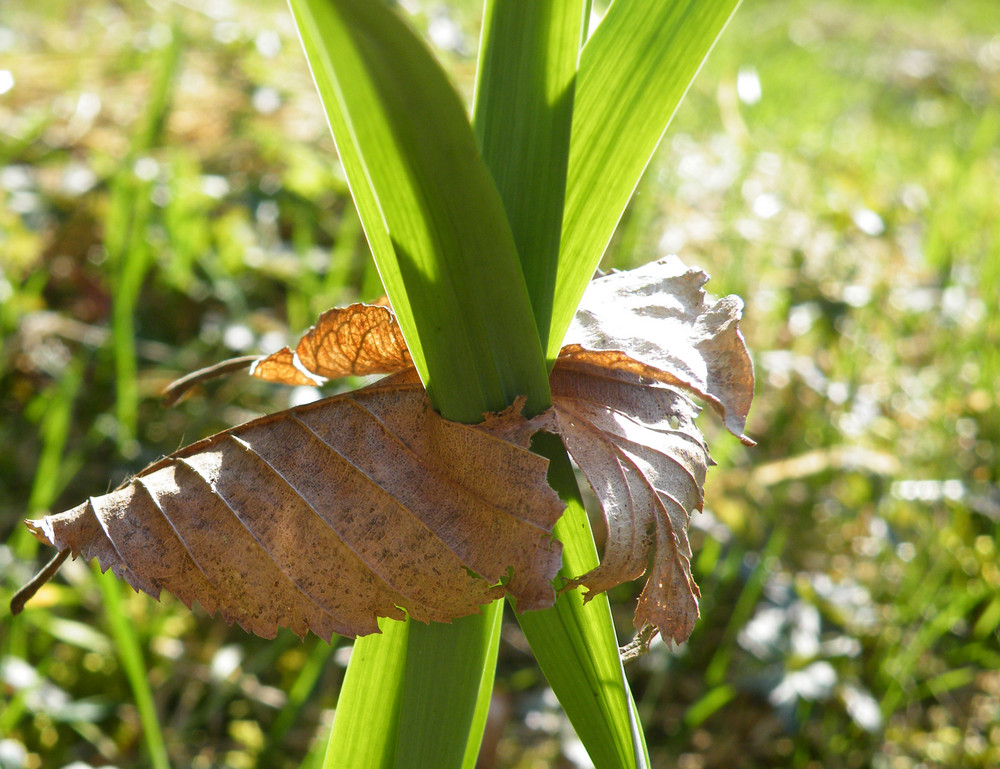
x=575, y=642
x=367, y=717
x=522, y=116
x=448, y=719
x=634, y=71
x=429, y=207
x=439, y=234
x=523, y=113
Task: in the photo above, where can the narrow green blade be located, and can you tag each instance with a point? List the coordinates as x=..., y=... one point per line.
x=575, y=642
x=129, y=648
x=417, y=695
x=429, y=206
x=634, y=71
x=488, y=674
x=522, y=116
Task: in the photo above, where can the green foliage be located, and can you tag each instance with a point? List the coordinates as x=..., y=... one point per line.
x=431, y=211
x=885, y=342
x=633, y=72
x=379, y=666
x=447, y=257
x=523, y=116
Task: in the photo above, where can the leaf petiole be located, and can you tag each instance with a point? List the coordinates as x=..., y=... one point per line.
x=639, y=645
x=173, y=391
x=26, y=593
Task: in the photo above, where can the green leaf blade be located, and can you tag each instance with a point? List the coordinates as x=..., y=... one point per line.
x=523, y=116
x=575, y=642
x=634, y=71
x=447, y=258
x=365, y=726
x=429, y=207
x=448, y=686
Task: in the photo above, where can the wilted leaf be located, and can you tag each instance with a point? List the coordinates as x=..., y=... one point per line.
x=358, y=340
x=638, y=447
x=326, y=516
x=656, y=321
x=638, y=340
x=329, y=515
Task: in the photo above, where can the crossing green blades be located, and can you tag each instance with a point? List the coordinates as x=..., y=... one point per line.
x=634, y=71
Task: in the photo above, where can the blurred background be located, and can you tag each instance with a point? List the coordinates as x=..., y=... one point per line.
x=170, y=197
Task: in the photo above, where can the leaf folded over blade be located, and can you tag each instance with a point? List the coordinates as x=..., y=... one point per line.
x=327, y=516
x=639, y=340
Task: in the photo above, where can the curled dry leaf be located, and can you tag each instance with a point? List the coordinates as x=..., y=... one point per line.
x=655, y=322
x=358, y=340
x=639, y=340
x=637, y=445
x=327, y=516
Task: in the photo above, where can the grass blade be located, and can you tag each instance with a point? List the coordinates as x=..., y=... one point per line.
x=522, y=116
x=298, y=695
x=51, y=470
x=485, y=696
x=575, y=642
x=128, y=220
x=430, y=208
x=130, y=654
x=634, y=71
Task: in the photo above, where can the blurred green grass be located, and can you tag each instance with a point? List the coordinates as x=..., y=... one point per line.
x=169, y=198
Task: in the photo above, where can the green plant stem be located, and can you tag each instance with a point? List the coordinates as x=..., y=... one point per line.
x=591, y=686
x=523, y=115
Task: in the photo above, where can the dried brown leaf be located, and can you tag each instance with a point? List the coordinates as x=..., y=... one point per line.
x=640, y=340
x=281, y=367
x=358, y=340
x=638, y=447
x=329, y=515
x=655, y=322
